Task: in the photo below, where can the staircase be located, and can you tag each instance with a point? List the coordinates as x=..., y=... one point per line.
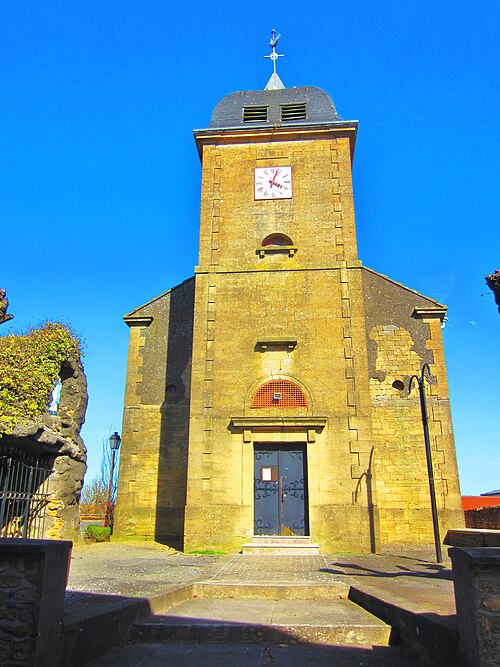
x=218, y=613
x=280, y=545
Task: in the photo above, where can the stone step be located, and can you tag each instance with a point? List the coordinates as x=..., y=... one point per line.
x=308, y=591
x=280, y=545
x=212, y=620
x=246, y=655
x=284, y=539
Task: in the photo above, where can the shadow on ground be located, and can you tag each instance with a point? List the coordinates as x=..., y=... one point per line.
x=253, y=655
x=108, y=639
x=430, y=571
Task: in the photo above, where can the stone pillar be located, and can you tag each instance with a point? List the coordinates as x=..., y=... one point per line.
x=477, y=595
x=33, y=575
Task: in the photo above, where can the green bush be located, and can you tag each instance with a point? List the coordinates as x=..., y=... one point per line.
x=29, y=365
x=94, y=533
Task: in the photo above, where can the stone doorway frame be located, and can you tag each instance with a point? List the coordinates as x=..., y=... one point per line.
x=272, y=429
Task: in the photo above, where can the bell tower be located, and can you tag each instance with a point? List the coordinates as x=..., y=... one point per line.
x=278, y=300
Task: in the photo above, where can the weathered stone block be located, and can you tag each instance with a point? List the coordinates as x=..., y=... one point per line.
x=31, y=607
x=477, y=593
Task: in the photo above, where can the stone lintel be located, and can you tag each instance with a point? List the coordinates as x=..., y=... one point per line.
x=262, y=250
x=281, y=341
x=309, y=425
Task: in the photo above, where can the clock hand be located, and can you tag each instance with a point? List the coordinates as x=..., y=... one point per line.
x=273, y=182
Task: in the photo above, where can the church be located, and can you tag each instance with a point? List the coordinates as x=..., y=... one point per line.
x=264, y=405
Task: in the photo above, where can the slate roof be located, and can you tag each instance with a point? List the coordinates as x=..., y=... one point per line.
x=229, y=111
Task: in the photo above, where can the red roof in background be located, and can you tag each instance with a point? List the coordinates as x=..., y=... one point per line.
x=473, y=502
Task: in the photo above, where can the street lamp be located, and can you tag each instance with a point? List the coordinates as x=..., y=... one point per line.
x=425, y=422
x=114, y=443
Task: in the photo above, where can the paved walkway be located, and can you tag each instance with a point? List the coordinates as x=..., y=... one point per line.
x=274, y=570
x=410, y=580
x=132, y=569
x=143, y=569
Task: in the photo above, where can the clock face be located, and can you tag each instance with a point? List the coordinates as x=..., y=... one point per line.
x=273, y=183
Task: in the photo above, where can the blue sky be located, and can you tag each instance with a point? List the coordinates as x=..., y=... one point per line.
x=100, y=178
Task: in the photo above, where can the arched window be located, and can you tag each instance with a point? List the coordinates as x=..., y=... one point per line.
x=277, y=243
x=279, y=393
x=277, y=240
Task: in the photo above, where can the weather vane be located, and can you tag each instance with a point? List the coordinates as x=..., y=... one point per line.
x=273, y=42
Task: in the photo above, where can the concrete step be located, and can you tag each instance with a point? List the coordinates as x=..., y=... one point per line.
x=212, y=620
x=281, y=545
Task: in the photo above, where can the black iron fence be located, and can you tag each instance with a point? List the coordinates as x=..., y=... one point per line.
x=24, y=493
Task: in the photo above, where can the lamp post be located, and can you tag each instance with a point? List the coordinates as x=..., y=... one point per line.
x=114, y=443
x=425, y=422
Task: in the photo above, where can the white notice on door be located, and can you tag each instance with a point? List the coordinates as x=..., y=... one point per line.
x=266, y=474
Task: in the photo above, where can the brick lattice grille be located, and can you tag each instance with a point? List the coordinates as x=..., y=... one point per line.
x=292, y=396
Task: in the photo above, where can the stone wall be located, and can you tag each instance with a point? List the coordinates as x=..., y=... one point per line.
x=153, y=462
x=477, y=594
x=483, y=517
x=399, y=342
x=32, y=584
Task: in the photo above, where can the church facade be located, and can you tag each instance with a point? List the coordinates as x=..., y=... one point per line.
x=259, y=395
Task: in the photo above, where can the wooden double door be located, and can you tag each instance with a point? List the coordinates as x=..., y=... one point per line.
x=280, y=490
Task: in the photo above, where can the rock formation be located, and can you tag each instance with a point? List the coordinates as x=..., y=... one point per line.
x=4, y=304
x=493, y=282
x=56, y=437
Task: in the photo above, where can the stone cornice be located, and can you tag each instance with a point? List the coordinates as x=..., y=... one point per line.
x=135, y=321
x=426, y=313
x=279, y=421
x=241, y=135
x=334, y=266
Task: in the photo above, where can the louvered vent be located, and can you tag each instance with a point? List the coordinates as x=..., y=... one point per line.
x=255, y=114
x=294, y=111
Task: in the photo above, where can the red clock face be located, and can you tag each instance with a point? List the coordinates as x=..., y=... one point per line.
x=273, y=183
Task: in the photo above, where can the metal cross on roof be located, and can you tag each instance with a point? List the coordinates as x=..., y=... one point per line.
x=273, y=42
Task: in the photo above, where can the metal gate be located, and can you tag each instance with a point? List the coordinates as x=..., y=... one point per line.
x=24, y=493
